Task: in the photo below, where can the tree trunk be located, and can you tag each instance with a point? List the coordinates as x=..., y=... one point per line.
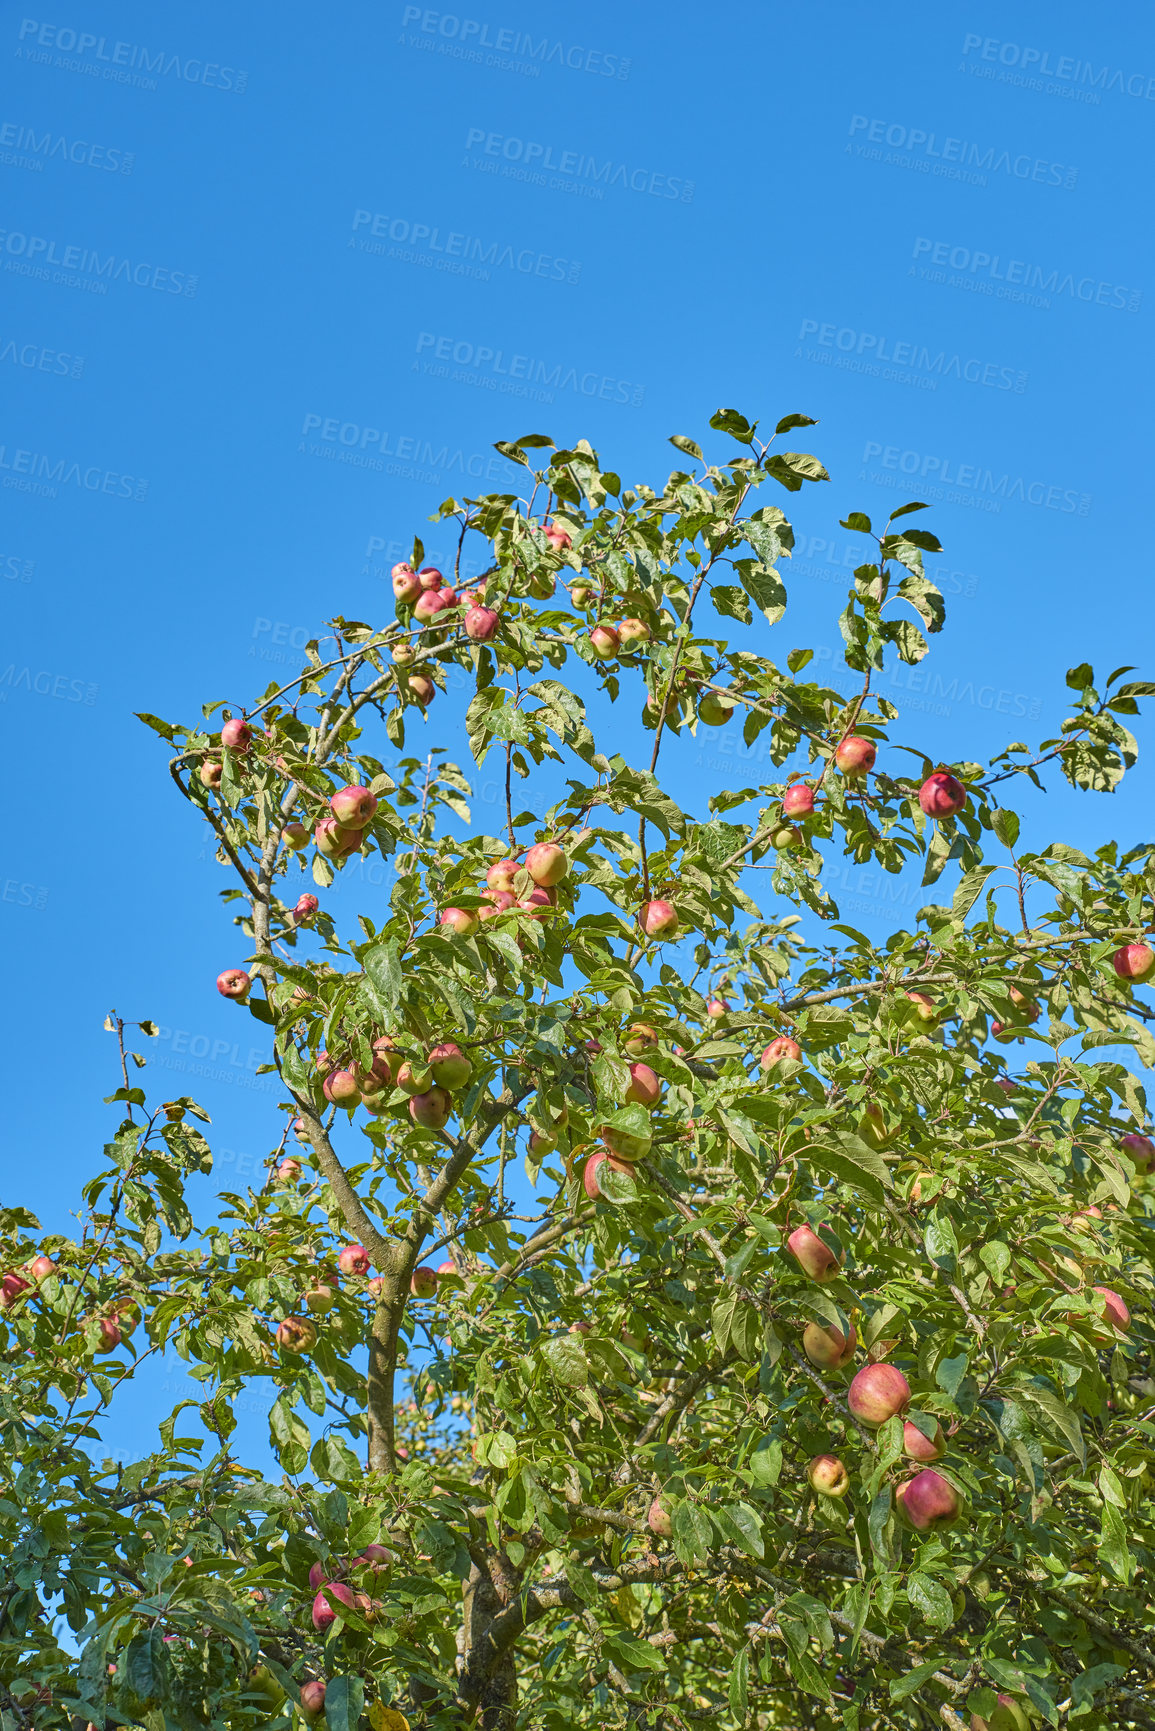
x=488, y=1677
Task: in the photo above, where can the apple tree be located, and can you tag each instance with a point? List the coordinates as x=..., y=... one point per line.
x=673, y=1304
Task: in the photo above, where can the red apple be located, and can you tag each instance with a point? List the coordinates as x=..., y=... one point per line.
x=289, y=1170
x=624, y=1143
x=376, y=1286
x=296, y=1334
x=387, y=1061
x=406, y=584
x=430, y=577
x=716, y=1008
x=448, y=1270
x=236, y=735
x=326, y=1605
x=423, y=1281
x=319, y=1300
x=659, y=919
x=779, y=1049
x=713, y=710
x=593, y=1167
x=41, y=1267
x=659, y=1520
x=404, y=655
x=353, y=1259
x=462, y=921
x=537, y=903
x=431, y=1109
x=581, y=595
x=856, y=755
x=501, y=874
x=110, y=1334
x=353, y=807
x=413, y=1079
x=318, y=1575
x=540, y=1146
x=449, y=1065
x=559, y=539
x=798, y=800
x=11, y=1287
x=340, y=1086
x=827, y=1347
x=233, y=983
x=942, y=795
x=877, y=1392
x=928, y=1501
x=1006, y=1085
x=211, y=772
x=632, y=633
x=1118, y=1314
x=430, y=606
x=422, y=690
x=501, y=901
x=334, y=840
x=546, y=864
x=296, y=836
x=639, y=1039
x=305, y=909
x=1084, y=1218
x=925, y=1009
x=645, y=1088
x=603, y=640
x=375, y=1557
x=815, y=1258
x=1009, y=1715
x=828, y=1476
x=1134, y=962
x=313, y=1699
x=481, y=624
x=923, y=1448
x=1139, y=1149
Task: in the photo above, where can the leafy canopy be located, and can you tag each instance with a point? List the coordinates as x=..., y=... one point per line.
x=583, y=1460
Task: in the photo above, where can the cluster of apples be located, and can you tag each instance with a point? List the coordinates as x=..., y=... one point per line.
x=332, y=1588
x=297, y=1334
x=430, y=1082
x=431, y=598
x=528, y=887
x=112, y=1327
x=879, y=1391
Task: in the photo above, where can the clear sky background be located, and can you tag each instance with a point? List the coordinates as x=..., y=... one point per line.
x=352, y=248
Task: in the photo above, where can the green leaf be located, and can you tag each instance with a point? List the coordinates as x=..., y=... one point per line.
x=1006, y=826
x=905, y=510
x=497, y=1448
x=852, y=1160
x=680, y=441
x=730, y=421
x=627, y=1652
x=858, y=522
x=566, y=1359
x=1113, y=1548
x=737, y=1693
x=764, y=587
x=744, y=1525
x=1079, y=678
x=382, y=967
x=930, y=1599
x=344, y=1703
x=693, y=1534
x=901, y=1687
x=970, y=888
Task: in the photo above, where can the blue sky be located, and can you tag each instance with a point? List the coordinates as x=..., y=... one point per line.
x=349, y=253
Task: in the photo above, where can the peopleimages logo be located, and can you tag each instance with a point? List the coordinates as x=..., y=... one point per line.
x=932, y=154
x=122, y=62
x=519, y=375
x=1037, y=63
x=55, y=147
x=35, y=358
x=357, y=445
x=536, y=161
x=473, y=34
x=879, y=351
x=982, y=483
x=460, y=254
x=33, y=472
x=1022, y=280
x=34, y=255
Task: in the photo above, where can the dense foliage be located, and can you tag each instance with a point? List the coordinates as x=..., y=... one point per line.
x=559, y=1421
